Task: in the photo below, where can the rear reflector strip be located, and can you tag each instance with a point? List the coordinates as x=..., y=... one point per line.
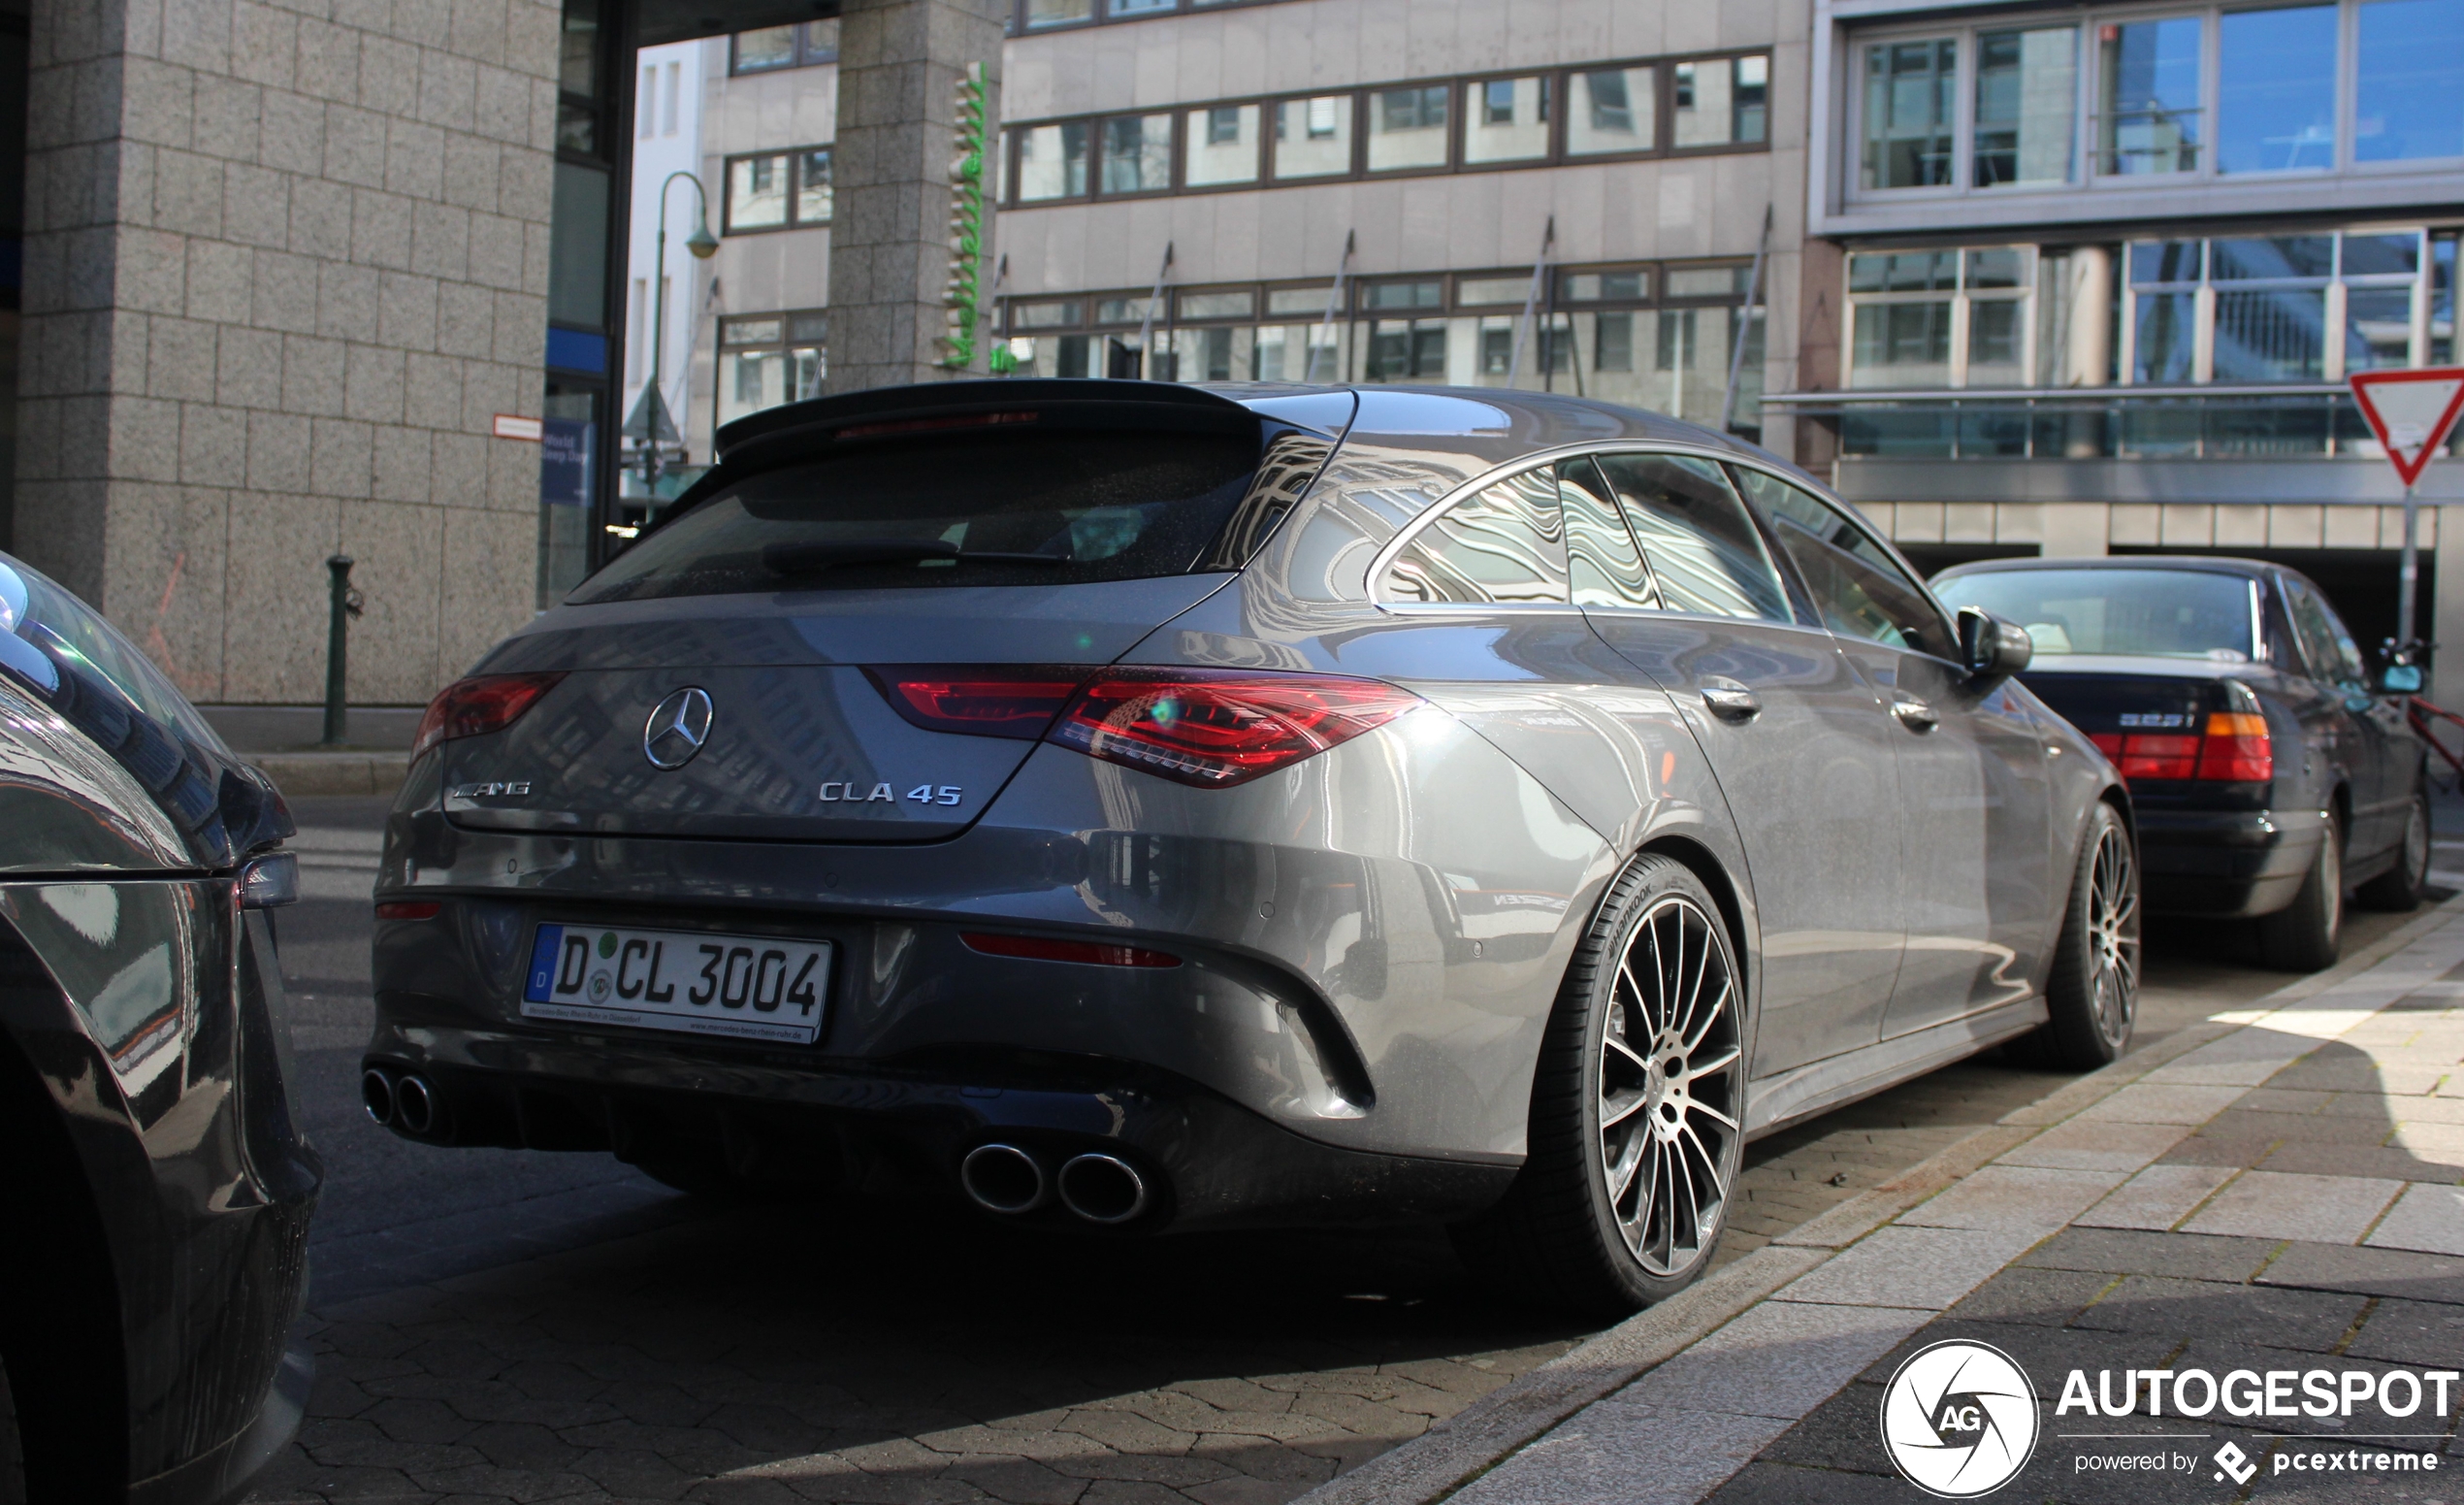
x=1039, y=948
x=409, y=910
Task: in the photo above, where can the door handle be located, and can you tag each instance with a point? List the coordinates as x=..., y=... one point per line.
x=1729, y=700
x=1915, y=714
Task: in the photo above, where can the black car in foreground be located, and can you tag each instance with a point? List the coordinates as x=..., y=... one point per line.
x=159, y=1187
x=2269, y=775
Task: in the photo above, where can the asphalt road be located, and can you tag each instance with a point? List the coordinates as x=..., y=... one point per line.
x=517, y=1326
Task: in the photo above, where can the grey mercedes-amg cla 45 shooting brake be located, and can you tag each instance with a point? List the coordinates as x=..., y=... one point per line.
x=1146, y=808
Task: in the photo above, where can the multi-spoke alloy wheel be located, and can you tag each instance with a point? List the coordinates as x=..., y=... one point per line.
x=2091, y=991
x=2113, y=936
x=1671, y=1070
x=1638, y=1107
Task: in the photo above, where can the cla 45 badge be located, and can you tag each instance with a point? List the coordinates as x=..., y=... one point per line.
x=852, y=792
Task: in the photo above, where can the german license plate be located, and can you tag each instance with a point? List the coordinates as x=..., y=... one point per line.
x=744, y=987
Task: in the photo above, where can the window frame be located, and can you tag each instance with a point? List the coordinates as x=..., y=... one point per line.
x=722, y=347
x=795, y=158
x=806, y=53
x=1360, y=99
x=2087, y=116
x=2334, y=288
x=1962, y=298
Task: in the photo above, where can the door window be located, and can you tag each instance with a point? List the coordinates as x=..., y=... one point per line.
x=1703, y=549
x=1504, y=544
x=2325, y=641
x=1607, y=568
x=1857, y=587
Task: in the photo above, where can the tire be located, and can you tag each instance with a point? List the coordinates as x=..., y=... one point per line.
x=12, y=1448
x=2306, y=935
x=2092, y=996
x=2402, y=887
x=1633, y=1153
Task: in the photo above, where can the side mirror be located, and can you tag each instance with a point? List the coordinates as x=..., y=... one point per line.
x=2400, y=680
x=1994, y=649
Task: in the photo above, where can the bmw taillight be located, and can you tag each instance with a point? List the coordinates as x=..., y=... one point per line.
x=1212, y=728
x=478, y=706
x=1217, y=728
x=2234, y=748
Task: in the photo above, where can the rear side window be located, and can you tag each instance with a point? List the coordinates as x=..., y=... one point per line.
x=1504, y=544
x=1030, y=506
x=1857, y=586
x=1705, y=555
x=2331, y=650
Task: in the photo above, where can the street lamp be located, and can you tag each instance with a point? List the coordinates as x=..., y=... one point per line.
x=652, y=409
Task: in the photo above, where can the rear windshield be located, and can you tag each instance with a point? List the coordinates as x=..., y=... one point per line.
x=1049, y=507
x=2159, y=613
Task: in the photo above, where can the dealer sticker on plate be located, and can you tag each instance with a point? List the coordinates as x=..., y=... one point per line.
x=745, y=987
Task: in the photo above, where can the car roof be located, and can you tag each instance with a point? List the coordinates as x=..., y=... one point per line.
x=2248, y=569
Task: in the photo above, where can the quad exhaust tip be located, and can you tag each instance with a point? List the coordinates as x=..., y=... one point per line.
x=377, y=1091
x=1003, y=1178
x=415, y=1104
x=1103, y=1189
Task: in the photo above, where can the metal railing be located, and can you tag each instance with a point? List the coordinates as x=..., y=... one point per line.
x=2307, y=421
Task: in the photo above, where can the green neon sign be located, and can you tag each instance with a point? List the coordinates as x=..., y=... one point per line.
x=964, y=299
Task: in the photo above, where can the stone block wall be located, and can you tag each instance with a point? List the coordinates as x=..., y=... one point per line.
x=285, y=262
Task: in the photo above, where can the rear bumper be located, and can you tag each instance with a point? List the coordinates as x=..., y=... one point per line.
x=2225, y=863
x=1211, y=1163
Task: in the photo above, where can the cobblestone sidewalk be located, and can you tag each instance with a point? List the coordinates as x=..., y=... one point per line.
x=2274, y=1192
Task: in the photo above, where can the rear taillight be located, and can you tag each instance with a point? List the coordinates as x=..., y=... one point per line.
x=1212, y=727
x=1005, y=702
x=409, y=910
x=1217, y=728
x=1090, y=953
x=2235, y=749
x=478, y=706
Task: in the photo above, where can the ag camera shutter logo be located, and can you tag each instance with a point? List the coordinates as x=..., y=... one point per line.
x=1958, y=1418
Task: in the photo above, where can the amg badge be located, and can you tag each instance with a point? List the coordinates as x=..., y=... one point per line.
x=489, y=790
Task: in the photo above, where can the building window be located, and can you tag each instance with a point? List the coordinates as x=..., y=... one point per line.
x=778, y=190
x=2276, y=90
x=1407, y=128
x=1313, y=137
x=1506, y=121
x=2027, y=83
x=1721, y=102
x=2287, y=308
x=1137, y=153
x=1223, y=146
x=1053, y=161
x=1615, y=110
x=2409, y=79
x=2149, y=100
x=1045, y=15
x=765, y=359
x=1929, y=319
x=1908, y=104
x=773, y=48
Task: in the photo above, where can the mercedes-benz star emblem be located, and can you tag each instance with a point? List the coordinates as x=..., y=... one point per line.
x=677, y=728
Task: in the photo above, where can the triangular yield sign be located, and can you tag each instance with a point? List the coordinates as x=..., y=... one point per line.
x=2411, y=412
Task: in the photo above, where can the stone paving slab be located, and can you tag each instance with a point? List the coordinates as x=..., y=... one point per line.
x=2131, y=1229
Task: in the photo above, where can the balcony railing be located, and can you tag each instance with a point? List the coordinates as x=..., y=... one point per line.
x=2308, y=422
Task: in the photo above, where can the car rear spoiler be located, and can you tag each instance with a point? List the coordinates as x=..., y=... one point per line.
x=891, y=411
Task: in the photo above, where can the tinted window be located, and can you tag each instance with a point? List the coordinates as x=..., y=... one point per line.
x=1857, y=587
x=1703, y=551
x=2163, y=613
x=1065, y=506
x=1505, y=543
x=2325, y=641
x=1605, y=569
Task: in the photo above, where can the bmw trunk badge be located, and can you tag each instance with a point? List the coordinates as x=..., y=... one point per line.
x=677, y=728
